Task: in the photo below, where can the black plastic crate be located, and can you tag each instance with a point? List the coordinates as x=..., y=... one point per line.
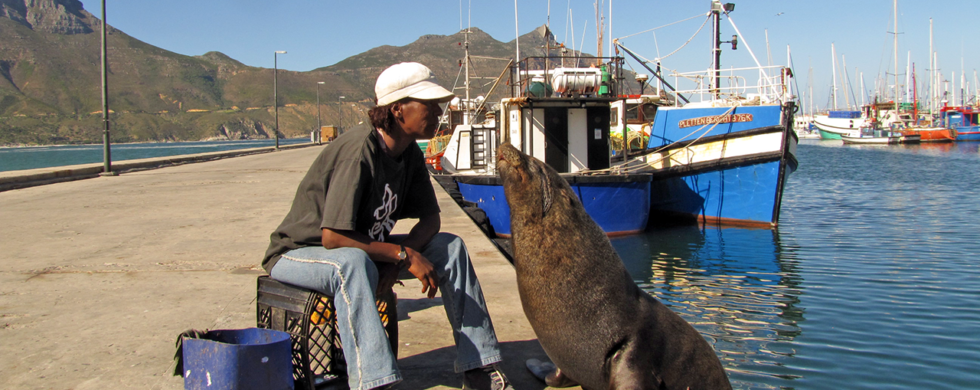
x=308, y=316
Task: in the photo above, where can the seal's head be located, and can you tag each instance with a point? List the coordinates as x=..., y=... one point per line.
x=529, y=184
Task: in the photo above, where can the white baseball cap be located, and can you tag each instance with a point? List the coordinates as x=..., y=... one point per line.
x=409, y=80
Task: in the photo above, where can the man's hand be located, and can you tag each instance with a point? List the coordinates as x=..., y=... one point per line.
x=419, y=266
x=387, y=277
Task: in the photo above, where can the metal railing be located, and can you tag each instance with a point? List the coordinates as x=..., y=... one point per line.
x=742, y=86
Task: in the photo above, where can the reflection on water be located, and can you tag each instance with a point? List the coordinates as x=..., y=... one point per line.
x=738, y=287
x=946, y=148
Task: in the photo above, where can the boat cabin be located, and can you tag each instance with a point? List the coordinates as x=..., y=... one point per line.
x=559, y=115
x=954, y=117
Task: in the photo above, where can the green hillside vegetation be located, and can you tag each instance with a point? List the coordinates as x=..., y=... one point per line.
x=50, y=82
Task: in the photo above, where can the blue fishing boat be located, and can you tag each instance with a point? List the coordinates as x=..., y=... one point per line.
x=565, y=123
x=725, y=158
x=964, y=121
x=730, y=172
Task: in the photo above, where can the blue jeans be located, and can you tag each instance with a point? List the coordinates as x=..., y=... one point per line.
x=349, y=275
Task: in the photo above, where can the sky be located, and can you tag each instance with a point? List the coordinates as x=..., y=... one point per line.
x=317, y=33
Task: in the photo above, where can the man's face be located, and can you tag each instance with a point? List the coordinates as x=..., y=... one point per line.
x=420, y=118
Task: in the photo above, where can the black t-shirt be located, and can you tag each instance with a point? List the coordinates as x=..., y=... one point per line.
x=354, y=185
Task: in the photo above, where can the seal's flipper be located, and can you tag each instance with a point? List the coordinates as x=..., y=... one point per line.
x=627, y=371
x=549, y=374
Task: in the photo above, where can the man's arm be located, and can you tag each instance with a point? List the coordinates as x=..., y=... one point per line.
x=423, y=231
x=378, y=251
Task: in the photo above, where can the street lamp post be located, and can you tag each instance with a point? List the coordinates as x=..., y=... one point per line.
x=275, y=90
x=340, y=113
x=319, y=127
x=106, y=153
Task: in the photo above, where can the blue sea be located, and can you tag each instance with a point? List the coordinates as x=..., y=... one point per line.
x=31, y=157
x=871, y=281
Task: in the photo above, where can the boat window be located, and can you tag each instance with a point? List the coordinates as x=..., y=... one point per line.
x=973, y=119
x=649, y=112
x=614, y=116
x=640, y=113
x=632, y=111
x=455, y=118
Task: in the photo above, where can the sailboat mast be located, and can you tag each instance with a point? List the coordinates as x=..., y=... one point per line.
x=833, y=68
x=863, y=91
x=932, y=74
x=809, y=81
x=908, y=74
x=844, y=80
x=915, y=98
x=895, y=7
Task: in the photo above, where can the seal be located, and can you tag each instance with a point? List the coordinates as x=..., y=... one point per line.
x=597, y=326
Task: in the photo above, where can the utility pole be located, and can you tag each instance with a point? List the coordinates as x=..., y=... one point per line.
x=275, y=90
x=319, y=127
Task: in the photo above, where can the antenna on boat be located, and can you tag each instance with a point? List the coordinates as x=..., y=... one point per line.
x=716, y=10
x=517, y=40
x=600, y=24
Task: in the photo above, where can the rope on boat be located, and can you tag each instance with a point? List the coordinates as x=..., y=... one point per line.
x=679, y=48
x=669, y=24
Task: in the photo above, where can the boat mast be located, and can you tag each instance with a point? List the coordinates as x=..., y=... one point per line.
x=895, y=7
x=833, y=70
x=932, y=74
x=809, y=82
x=600, y=24
x=863, y=89
x=908, y=75
x=915, y=98
x=466, y=83
x=846, y=85
x=610, y=38
x=517, y=41
x=716, y=47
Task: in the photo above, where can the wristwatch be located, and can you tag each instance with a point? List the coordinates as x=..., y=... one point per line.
x=402, y=255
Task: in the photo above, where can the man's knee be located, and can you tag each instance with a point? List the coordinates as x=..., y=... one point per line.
x=356, y=261
x=446, y=240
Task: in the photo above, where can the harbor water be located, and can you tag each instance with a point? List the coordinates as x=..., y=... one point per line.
x=31, y=157
x=871, y=281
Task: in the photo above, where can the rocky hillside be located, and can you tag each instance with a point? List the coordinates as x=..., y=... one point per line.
x=50, y=81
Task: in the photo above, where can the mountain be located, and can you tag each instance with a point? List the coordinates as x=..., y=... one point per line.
x=50, y=81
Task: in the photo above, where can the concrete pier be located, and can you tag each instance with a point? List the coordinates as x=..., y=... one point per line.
x=100, y=275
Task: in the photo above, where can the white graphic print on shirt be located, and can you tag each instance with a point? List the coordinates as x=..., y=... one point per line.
x=382, y=215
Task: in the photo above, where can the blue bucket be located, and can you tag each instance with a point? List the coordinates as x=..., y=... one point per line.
x=241, y=359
